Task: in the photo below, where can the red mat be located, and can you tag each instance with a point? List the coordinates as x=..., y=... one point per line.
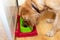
x=20, y=34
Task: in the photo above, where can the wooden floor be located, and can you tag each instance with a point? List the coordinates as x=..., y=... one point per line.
x=43, y=27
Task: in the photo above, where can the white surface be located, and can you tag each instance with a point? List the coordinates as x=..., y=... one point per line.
x=3, y=35
x=20, y=2
x=4, y=20
x=6, y=17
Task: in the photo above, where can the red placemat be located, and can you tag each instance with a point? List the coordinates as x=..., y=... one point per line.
x=20, y=34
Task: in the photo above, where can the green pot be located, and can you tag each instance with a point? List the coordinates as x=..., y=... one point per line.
x=24, y=29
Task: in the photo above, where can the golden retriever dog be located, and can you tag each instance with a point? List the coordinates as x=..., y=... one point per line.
x=30, y=14
x=55, y=7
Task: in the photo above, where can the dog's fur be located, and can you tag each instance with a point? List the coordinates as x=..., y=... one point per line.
x=29, y=14
x=55, y=5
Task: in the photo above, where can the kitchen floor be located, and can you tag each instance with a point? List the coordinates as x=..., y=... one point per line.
x=42, y=28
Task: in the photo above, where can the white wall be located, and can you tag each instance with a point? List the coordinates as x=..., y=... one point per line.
x=3, y=35
x=8, y=13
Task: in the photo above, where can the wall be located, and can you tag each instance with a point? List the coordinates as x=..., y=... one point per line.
x=8, y=12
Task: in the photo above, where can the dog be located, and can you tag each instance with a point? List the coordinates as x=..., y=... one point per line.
x=55, y=7
x=29, y=14
x=32, y=15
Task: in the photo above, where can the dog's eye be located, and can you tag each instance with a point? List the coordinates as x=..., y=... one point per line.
x=35, y=8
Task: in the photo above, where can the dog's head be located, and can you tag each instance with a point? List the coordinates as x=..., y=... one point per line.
x=29, y=16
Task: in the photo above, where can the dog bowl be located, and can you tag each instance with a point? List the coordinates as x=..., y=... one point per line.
x=24, y=28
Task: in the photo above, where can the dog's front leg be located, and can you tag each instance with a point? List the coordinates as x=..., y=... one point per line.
x=54, y=28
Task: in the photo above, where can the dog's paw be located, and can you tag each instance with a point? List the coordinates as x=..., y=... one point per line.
x=49, y=20
x=50, y=33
